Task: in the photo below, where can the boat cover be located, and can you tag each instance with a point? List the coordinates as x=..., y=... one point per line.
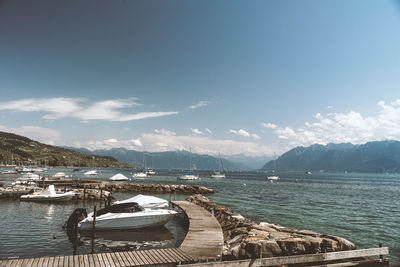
x=119, y=177
x=146, y=201
x=120, y=208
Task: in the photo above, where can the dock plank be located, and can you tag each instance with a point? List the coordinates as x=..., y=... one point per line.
x=50, y=262
x=100, y=260
x=145, y=259
x=123, y=259
x=151, y=255
x=135, y=258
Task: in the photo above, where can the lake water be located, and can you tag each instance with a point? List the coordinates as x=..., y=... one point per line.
x=362, y=208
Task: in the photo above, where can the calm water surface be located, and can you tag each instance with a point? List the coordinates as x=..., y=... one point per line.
x=362, y=208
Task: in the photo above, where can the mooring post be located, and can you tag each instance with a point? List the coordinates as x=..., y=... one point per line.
x=380, y=256
x=93, y=227
x=101, y=194
x=109, y=198
x=174, y=195
x=84, y=193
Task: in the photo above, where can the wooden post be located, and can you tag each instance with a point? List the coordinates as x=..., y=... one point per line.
x=174, y=195
x=84, y=193
x=380, y=256
x=93, y=227
x=109, y=199
x=101, y=194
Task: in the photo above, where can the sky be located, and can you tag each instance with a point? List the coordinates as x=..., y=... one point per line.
x=233, y=77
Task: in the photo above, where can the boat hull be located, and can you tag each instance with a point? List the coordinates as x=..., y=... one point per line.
x=118, y=221
x=48, y=198
x=188, y=177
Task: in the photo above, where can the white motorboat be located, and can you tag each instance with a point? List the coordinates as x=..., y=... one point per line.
x=146, y=202
x=118, y=177
x=139, y=175
x=91, y=172
x=127, y=216
x=189, y=176
x=27, y=177
x=48, y=195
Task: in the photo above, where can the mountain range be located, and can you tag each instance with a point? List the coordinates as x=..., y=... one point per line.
x=167, y=160
x=371, y=157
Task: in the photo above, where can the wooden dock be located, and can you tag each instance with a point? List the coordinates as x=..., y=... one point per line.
x=153, y=257
x=204, y=240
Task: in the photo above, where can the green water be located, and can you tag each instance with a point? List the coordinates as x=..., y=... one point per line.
x=362, y=208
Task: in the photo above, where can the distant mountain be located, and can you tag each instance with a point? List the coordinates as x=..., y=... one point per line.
x=16, y=149
x=372, y=157
x=166, y=160
x=252, y=163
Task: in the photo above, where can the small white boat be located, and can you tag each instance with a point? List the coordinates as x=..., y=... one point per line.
x=59, y=175
x=127, y=216
x=91, y=172
x=218, y=175
x=188, y=177
x=273, y=178
x=151, y=172
x=48, y=195
x=139, y=175
x=146, y=202
x=118, y=177
x=9, y=172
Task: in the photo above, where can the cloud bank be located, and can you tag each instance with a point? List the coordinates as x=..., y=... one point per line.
x=82, y=109
x=350, y=127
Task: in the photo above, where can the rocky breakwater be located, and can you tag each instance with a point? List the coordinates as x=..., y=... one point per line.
x=149, y=188
x=244, y=238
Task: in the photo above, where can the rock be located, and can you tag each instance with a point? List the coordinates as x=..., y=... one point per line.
x=247, y=239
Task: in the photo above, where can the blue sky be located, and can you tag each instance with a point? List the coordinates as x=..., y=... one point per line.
x=250, y=77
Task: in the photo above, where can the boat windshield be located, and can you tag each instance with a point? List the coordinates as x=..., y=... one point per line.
x=121, y=208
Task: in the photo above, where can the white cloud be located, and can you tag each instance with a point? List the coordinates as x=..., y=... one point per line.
x=346, y=127
x=244, y=133
x=44, y=135
x=82, y=109
x=196, y=131
x=200, y=104
x=208, y=131
x=165, y=132
x=268, y=125
x=155, y=142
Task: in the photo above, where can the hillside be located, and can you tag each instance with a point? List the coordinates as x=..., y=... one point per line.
x=24, y=151
x=372, y=157
x=166, y=160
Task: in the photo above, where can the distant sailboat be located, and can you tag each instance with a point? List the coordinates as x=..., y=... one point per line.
x=189, y=175
x=220, y=173
x=143, y=173
x=273, y=177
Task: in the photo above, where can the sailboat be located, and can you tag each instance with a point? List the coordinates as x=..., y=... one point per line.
x=143, y=173
x=220, y=173
x=273, y=177
x=189, y=175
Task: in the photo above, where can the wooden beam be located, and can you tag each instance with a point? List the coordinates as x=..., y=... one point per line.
x=320, y=257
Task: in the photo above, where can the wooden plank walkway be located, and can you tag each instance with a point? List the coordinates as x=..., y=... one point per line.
x=204, y=240
x=153, y=257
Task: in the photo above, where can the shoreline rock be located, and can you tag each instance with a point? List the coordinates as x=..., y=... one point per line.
x=148, y=188
x=244, y=238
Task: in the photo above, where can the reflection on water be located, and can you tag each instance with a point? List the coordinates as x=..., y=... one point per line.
x=122, y=240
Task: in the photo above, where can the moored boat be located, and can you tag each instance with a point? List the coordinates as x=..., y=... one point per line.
x=126, y=216
x=48, y=195
x=118, y=177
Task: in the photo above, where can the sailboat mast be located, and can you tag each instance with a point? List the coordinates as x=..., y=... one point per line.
x=190, y=160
